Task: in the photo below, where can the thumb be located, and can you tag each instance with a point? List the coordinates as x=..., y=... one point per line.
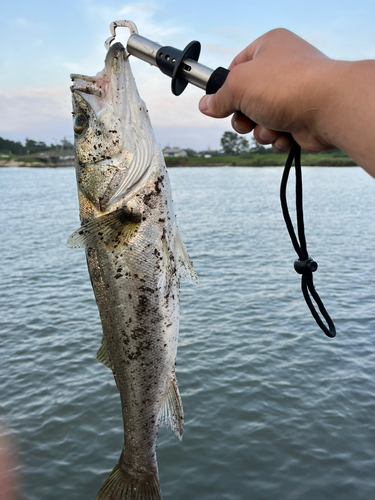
x=218, y=105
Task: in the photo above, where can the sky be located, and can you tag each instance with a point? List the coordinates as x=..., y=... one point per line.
x=42, y=42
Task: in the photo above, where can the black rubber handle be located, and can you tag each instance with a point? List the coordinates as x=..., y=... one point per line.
x=171, y=60
x=216, y=80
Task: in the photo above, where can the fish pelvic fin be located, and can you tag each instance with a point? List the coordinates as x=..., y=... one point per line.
x=185, y=268
x=171, y=413
x=113, y=230
x=122, y=485
x=103, y=354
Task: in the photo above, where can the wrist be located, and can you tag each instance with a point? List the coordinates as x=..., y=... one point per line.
x=335, y=101
x=321, y=101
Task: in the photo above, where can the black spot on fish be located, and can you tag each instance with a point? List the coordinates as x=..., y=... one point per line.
x=129, y=216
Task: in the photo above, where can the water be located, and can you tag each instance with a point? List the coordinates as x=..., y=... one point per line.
x=274, y=409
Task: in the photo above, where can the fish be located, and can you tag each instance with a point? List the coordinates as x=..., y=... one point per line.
x=135, y=258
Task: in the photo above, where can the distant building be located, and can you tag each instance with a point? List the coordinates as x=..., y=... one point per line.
x=63, y=157
x=174, y=152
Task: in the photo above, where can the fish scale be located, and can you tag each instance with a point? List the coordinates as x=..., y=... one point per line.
x=135, y=260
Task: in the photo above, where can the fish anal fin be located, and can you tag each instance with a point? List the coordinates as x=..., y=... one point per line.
x=121, y=485
x=171, y=413
x=112, y=230
x=103, y=355
x=185, y=268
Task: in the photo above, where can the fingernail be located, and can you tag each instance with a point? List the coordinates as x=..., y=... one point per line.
x=281, y=145
x=265, y=135
x=239, y=127
x=204, y=103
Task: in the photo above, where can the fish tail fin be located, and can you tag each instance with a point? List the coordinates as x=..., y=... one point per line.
x=121, y=485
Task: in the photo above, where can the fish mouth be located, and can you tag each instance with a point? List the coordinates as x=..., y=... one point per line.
x=88, y=85
x=98, y=85
x=114, y=140
x=121, y=161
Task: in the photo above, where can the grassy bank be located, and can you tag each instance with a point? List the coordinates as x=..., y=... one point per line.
x=334, y=159
x=263, y=160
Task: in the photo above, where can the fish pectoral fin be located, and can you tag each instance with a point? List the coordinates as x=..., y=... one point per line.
x=171, y=413
x=103, y=355
x=113, y=229
x=166, y=267
x=185, y=268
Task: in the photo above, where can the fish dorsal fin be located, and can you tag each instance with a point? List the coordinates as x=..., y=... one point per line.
x=103, y=355
x=185, y=268
x=171, y=413
x=113, y=229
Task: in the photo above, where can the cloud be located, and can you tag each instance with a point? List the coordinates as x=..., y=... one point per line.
x=22, y=21
x=335, y=37
x=231, y=31
x=223, y=50
x=39, y=113
x=152, y=22
x=143, y=13
x=198, y=138
x=45, y=114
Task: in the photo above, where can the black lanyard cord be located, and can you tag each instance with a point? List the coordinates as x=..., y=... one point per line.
x=304, y=265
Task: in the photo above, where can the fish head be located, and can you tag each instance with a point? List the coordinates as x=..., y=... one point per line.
x=113, y=138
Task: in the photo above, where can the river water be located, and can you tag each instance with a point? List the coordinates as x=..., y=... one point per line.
x=274, y=409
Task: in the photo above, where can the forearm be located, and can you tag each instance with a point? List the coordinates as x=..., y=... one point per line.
x=344, y=115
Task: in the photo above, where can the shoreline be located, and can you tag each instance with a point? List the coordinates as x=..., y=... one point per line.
x=43, y=165
x=255, y=160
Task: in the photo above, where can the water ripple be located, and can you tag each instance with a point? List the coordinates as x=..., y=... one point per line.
x=273, y=408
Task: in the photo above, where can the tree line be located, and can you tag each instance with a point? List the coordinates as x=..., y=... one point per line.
x=235, y=144
x=30, y=146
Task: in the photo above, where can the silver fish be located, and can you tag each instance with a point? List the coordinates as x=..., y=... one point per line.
x=135, y=259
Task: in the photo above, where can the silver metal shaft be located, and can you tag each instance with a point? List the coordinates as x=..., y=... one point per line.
x=141, y=47
x=193, y=72
x=196, y=73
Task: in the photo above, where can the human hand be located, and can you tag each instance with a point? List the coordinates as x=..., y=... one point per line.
x=276, y=88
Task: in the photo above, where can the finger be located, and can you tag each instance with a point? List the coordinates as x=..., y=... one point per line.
x=227, y=99
x=241, y=123
x=282, y=144
x=265, y=135
x=245, y=55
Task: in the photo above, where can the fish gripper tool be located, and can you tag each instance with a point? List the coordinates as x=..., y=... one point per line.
x=183, y=67
x=180, y=65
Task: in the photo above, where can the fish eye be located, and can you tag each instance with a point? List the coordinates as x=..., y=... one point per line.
x=80, y=122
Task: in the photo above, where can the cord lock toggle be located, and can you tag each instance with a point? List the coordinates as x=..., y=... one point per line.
x=305, y=266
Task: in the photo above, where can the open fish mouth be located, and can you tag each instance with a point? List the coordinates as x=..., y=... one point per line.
x=89, y=87
x=114, y=140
